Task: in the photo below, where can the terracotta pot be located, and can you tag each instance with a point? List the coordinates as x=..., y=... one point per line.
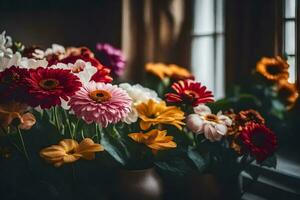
x=138, y=184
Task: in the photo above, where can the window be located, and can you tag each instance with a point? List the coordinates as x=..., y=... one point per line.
x=289, y=34
x=208, y=45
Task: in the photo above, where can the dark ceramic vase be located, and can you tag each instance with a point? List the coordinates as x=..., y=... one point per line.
x=212, y=187
x=203, y=187
x=138, y=184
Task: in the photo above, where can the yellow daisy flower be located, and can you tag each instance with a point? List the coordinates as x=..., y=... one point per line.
x=153, y=113
x=154, y=139
x=163, y=71
x=68, y=151
x=273, y=69
x=288, y=93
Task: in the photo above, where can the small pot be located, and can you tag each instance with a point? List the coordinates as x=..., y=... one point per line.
x=138, y=184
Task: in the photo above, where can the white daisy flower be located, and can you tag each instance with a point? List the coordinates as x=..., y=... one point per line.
x=138, y=94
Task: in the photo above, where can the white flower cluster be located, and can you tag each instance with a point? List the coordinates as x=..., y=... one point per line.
x=138, y=94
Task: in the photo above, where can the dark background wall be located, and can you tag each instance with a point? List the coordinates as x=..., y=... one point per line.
x=250, y=27
x=68, y=22
x=250, y=35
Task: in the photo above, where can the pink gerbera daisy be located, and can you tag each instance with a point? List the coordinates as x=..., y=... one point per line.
x=101, y=103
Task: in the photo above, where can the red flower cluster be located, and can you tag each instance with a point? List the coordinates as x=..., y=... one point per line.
x=250, y=135
x=12, y=84
x=189, y=92
x=260, y=141
x=83, y=53
x=47, y=86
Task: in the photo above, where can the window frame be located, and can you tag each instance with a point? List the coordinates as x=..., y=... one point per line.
x=218, y=86
x=280, y=34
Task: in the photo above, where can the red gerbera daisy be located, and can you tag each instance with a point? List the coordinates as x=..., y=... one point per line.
x=12, y=85
x=260, y=141
x=190, y=92
x=46, y=86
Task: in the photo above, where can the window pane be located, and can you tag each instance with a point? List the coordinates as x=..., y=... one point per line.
x=290, y=8
x=203, y=60
x=219, y=80
x=204, y=17
x=292, y=70
x=290, y=37
x=220, y=17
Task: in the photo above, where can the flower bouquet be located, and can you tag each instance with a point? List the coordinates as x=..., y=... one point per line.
x=74, y=132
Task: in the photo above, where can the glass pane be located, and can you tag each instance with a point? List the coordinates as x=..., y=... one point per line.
x=292, y=69
x=220, y=16
x=290, y=36
x=290, y=8
x=219, y=80
x=203, y=60
x=204, y=17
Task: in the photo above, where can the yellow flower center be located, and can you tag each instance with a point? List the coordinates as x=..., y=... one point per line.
x=100, y=96
x=211, y=118
x=71, y=151
x=190, y=93
x=49, y=84
x=77, y=69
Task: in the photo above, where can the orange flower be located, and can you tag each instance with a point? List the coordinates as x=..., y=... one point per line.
x=273, y=69
x=154, y=139
x=158, y=69
x=288, y=93
x=153, y=113
x=163, y=71
x=16, y=111
x=245, y=116
x=68, y=151
x=179, y=73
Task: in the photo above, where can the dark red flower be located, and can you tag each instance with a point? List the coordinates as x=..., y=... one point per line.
x=12, y=84
x=260, y=141
x=83, y=53
x=189, y=92
x=46, y=86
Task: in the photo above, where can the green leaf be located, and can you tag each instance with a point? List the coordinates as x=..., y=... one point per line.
x=176, y=167
x=197, y=159
x=112, y=146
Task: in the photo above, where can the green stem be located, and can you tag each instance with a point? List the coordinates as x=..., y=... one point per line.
x=98, y=129
x=23, y=144
x=68, y=123
x=76, y=128
x=56, y=118
x=10, y=140
x=82, y=134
